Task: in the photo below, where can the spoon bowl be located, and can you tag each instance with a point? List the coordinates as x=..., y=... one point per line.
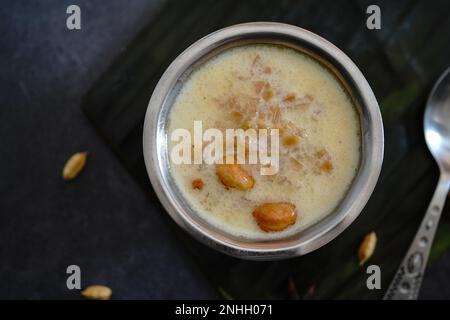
x=437, y=122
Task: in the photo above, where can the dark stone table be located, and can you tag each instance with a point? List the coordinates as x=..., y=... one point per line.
x=102, y=221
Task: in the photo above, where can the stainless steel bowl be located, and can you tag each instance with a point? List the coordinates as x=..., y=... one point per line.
x=155, y=139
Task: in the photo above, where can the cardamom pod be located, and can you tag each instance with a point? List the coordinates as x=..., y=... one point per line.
x=367, y=247
x=74, y=165
x=97, y=292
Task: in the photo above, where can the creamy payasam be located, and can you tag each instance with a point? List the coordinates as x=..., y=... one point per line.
x=271, y=87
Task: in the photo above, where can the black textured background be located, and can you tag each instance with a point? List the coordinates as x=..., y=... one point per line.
x=102, y=221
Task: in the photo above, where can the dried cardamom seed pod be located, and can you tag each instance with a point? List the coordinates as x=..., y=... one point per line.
x=97, y=292
x=74, y=165
x=367, y=247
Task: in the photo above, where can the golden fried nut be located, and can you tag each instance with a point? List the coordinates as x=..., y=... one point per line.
x=233, y=176
x=275, y=216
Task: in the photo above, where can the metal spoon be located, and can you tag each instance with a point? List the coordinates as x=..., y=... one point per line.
x=407, y=280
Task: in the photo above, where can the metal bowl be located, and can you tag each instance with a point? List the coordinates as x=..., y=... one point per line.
x=155, y=139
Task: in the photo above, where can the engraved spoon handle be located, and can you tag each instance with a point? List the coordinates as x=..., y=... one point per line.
x=407, y=280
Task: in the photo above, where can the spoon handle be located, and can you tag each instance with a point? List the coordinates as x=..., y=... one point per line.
x=407, y=280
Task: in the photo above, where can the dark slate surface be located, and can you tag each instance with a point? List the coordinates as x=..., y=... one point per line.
x=104, y=221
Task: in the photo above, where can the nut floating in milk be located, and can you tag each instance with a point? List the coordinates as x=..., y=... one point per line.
x=269, y=87
x=275, y=216
x=232, y=176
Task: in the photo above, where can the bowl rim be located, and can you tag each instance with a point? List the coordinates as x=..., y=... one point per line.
x=372, y=138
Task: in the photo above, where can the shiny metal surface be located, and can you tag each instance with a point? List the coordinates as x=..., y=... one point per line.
x=408, y=279
x=156, y=152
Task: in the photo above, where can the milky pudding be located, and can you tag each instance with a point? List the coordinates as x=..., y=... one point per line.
x=268, y=87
